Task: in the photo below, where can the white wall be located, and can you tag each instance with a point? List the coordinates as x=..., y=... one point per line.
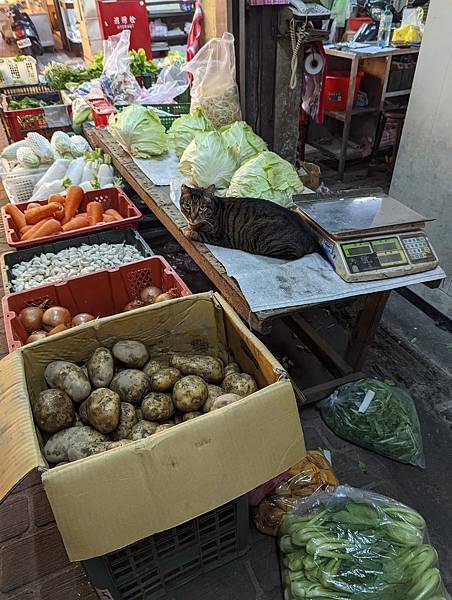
x=423, y=171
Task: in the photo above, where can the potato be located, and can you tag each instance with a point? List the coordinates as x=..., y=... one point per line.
x=131, y=385
x=83, y=450
x=207, y=367
x=156, y=364
x=240, y=383
x=190, y=393
x=127, y=419
x=231, y=367
x=164, y=380
x=224, y=400
x=69, y=378
x=143, y=429
x=188, y=416
x=213, y=392
x=82, y=412
x=57, y=447
x=101, y=367
x=131, y=353
x=157, y=406
x=161, y=428
x=103, y=408
x=53, y=410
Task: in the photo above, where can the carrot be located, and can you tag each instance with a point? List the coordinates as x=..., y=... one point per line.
x=16, y=215
x=44, y=227
x=32, y=205
x=108, y=218
x=56, y=198
x=95, y=211
x=76, y=223
x=25, y=229
x=74, y=197
x=82, y=215
x=36, y=214
x=114, y=213
x=59, y=213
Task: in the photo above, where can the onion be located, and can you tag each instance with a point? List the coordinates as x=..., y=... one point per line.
x=82, y=318
x=149, y=294
x=56, y=315
x=35, y=336
x=59, y=328
x=31, y=318
x=133, y=304
x=169, y=295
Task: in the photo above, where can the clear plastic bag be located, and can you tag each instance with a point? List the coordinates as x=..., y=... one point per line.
x=214, y=88
x=171, y=82
x=355, y=544
x=118, y=82
x=280, y=495
x=377, y=416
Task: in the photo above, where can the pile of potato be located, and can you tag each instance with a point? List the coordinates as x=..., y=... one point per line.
x=122, y=395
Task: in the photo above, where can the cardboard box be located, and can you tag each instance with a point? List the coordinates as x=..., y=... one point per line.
x=110, y=500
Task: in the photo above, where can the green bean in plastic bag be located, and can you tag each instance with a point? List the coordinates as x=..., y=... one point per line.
x=354, y=544
x=377, y=416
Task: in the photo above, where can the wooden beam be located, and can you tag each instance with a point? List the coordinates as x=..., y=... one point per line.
x=215, y=18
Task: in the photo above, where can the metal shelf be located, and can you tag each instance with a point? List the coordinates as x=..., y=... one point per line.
x=340, y=116
x=352, y=153
x=169, y=38
x=398, y=93
x=165, y=15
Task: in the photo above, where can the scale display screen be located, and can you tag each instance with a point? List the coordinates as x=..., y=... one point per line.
x=374, y=254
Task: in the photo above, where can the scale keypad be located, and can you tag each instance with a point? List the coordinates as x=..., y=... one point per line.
x=417, y=247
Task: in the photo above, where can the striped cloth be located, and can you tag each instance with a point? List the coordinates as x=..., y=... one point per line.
x=266, y=2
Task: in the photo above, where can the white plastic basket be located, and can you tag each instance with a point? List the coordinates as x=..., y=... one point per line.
x=22, y=72
x=19, y=186
x=7, y=165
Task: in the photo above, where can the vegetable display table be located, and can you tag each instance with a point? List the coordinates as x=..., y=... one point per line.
x=343, y=368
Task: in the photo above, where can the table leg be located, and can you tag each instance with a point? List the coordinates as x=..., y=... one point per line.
x=365, y=328
x=348, y=116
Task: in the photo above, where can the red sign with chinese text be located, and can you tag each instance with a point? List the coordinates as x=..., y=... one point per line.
x=116, y=15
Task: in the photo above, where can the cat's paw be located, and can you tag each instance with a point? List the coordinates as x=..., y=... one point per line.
x=190, y=233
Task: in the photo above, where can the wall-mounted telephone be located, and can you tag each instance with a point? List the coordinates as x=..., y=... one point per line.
x=309, y=9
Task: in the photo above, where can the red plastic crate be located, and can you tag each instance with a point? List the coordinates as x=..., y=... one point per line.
x=101, y=109
x=354, y=23
x=109, y=198
x=19, y=122
x=336, y=89
x=101, y=294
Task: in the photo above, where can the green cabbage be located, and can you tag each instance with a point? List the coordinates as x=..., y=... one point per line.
x=184, y=129
x=240, y=136
x=139, y=130
x=207, y=160
x=266, y=176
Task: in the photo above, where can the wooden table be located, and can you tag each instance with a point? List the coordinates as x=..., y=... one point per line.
x=343, y=368
x=378, y=66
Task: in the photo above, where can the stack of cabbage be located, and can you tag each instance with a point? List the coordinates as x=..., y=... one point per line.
x=139, y=130
x=356, y=544
x=233, y=158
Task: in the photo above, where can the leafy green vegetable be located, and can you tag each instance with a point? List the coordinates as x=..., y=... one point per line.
x=139, y=130
x=266, y=176
x=355, y=545
x=389, y=425
x=242, y=138
x=140, y=64
x=26, y=102
x=207, y=160
x=184, y=129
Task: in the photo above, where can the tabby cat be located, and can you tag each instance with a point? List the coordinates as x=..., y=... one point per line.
x=249, y=224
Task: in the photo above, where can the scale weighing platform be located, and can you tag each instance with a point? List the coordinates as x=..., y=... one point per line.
x=368, y=238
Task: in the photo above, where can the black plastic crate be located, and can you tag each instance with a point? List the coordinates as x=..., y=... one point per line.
x=126, y=235
x=150, y=568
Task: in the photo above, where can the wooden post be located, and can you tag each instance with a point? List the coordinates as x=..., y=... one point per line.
x=215, y=18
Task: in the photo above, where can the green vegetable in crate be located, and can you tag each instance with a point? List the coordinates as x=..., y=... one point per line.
x=10, y=151
x=184, y=129
x=61, y=143
x=26, y=103
x=266, y=176
x=27, y=158
x=242, y=138
x=40, y=146
x=207, y=160
x=139, y=130
x=348, y=544
x=377, y=416
x=140, y=64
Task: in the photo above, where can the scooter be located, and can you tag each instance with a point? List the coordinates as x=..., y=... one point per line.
x=25, y=33
x=374, y=9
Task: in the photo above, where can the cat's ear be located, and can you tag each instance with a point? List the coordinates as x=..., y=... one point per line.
x=210, y=191
x=184, y=189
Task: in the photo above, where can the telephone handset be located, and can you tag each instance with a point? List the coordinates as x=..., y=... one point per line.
x=309, y=9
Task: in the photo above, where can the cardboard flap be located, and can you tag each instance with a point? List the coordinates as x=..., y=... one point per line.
x=19, y=447
x=113, y=499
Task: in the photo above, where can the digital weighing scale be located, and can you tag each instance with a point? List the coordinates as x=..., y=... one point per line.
x=369, y=238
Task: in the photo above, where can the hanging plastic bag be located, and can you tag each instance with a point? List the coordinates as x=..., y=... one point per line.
x=356, y=544
x=214, y=88
x=376, y=416
x=118, y=82
x=281, y=494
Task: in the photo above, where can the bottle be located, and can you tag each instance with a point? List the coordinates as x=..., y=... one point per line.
x=384, y=31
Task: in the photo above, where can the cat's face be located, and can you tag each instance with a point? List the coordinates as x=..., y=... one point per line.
x=198, y=206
